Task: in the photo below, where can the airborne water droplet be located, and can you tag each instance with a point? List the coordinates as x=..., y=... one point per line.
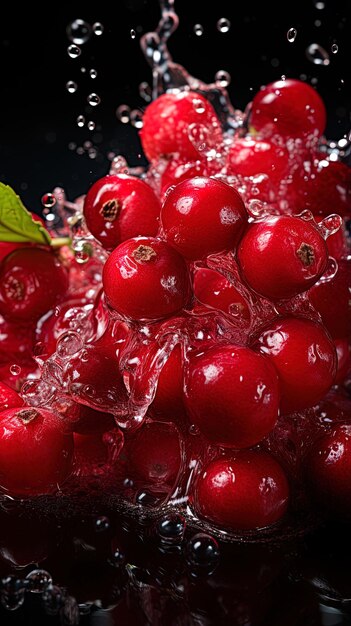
x=319, y=5
x=91, y=125
x=198, y=30
x=15, y=370
x=136, y=118
x=78, y=31
x=334, y=48
x=222, y=78
x=123, y=113
x=73, y=51
x=291, y=35
x=132, y=33
x=83, y=70
x=93, y=73
x=317, y=55
x=223, y=25
x=80, y=121
x=48, y=200
x=93, y=99
x=98, y=29
x=71, y=86
x=145, y=91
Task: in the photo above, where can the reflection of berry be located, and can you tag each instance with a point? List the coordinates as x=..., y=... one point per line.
x=244, y=492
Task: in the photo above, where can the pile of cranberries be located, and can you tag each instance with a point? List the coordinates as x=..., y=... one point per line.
x=200, y=359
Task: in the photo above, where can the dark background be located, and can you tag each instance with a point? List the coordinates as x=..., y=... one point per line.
x=38, y=115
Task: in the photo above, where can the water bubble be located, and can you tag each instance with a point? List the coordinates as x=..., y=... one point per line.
x=93, y=99
x=317, y=55
x=91, y=125
x=283, y=77
x=93, y=73
x=132, y=33
x=73, y=51
x=145, y=91
x=38, y=580
x=15, y=370
x=136, y=118
x=80, y=121
x=334, y=48
x=83, y=250
x=119, y=165
x=102, y=524
x=71, y=86
x=83, y=69
x=48, y=200
x=319, y=5
x=198, y=30
x=98, y=29
x=123, y=113
x=222, y=78
x=291, y=35
x=202, y=552
x=72, y=145
x=69, y=343
x=223, y=25
x=78, y=32
x=171, y=529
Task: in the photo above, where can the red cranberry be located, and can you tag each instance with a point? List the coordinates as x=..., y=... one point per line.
x=9, y=398
x=304, y=357
x=232, y=395
x=32, y=281
x=282, y=256
x=35, y=451
x=214, y=290
x=243, y=492
x=119, y=207
x=168, y=121
x=201, y=216
x=328, y=468
x=249, y=156
x=289, y=108
x=168, y=404
x=146, y=279
x=178, y=170
x=154, y=454
x=331, y=299
x=343, y=360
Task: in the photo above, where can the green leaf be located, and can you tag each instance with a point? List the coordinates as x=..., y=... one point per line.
x=16, y=223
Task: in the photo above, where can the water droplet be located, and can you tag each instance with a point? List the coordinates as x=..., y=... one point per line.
x=93, y=73
x=222, y=78
x=78, y=32
x=283, y=77
x=319, y=5
x=223, y=25
x=73, y=51
x=91, y=125
x=317, y=55
x=132, y=33
x=145, y=91
x=53, y=598
x=72, y=145
x=98, y=29
x=198, y=105
x=69, y=343
x=71, y=86
x=92, y=154
x=136, y=118
x=83, y=250
x=291, y=35
x=171, y=529
x=102, y=524
x=202, y=552
x=83, y=70
x=48, y=200
x=334, y=48
x=38, y=580
x=123, y=113
x=93, y=99
x=119, y=165
x=15, y=370
x=117, y=557
x=80, y=121
x=198, y=30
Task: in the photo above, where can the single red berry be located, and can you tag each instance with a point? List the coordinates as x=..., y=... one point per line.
x=289, y=108
x=343, y=360
x=168, y=403
x=331, y=298
x=215, y=290
x=201, y=216
x=328, y=468
x=119, y=207
x=170, y=120
x=282, y=256
x=177, y=170
x=154, y=454
x=144, y=279
x=9, y=398
x=243, y=492
x=249, y=156
x=232, y=395
x=32, y=281
x=35, y=451
x=304, y=357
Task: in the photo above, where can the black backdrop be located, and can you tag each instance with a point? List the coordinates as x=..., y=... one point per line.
x=38, y=115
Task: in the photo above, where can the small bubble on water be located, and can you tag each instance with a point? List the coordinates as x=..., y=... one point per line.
x=48, y=200
x=334, y=48
x=291, y=35
x=98, y=29
x=222, y=78
x=80, y=121
x=202, y=552
x=71, y=86
x=93, y=99
x=93, y=73
x=83, y=250
x=38, y=580
x=136, y=118
x=317, y=55
x=102, y=524
x=78, y=32
x=15, y=370
x=91, y=125
x=123, y=113
x=223, y=25
x=171, y=529
x=73, y=51
x=145, y=91
x=132, y=33
x=198, y=30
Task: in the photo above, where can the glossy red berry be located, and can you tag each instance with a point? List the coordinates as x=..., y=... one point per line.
x=243, y=492
x=168, y=403
x=215, y=290
x=343, y=360
x=331, y=298
x=154, y=454
x=32, y=281
x=119, y=207
x=232, y=395
x=289, y=108
x=169, y=121
x=249, y=156
x=9, y=398
x=178, y=169
x=282, y=256
x=201, y=216
x=304, y=357
x=328, y=468
x=145, y=279
x=35, y=451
